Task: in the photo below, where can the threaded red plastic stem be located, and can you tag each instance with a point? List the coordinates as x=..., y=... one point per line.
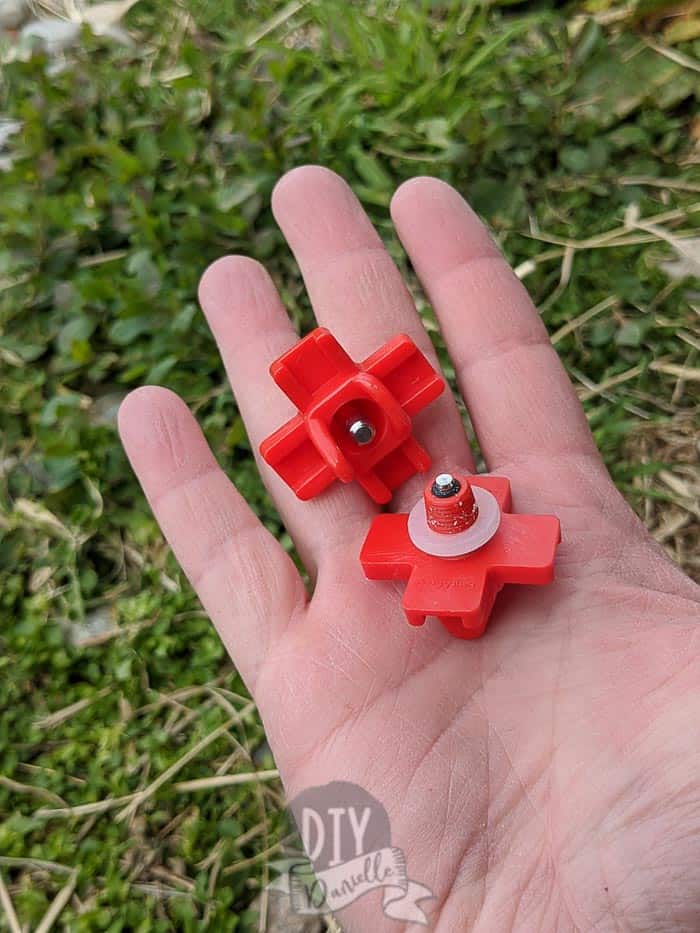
x=450, y=515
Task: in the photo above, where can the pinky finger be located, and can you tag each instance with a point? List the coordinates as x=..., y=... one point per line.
x=246, y=582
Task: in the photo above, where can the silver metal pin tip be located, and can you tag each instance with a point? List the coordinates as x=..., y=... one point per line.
x=361, y=431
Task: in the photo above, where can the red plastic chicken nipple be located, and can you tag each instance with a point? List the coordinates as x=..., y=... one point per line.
x=457, y=548
x=354, y=420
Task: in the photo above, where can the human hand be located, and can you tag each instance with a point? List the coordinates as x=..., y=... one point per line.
x=543, y=777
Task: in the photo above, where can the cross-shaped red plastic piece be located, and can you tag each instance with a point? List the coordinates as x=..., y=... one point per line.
x=461, y=591
x=331, y=392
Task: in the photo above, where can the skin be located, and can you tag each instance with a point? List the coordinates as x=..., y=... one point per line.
x=543, y=777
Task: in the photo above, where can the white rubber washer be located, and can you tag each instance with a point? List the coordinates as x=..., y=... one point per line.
x=464, y=542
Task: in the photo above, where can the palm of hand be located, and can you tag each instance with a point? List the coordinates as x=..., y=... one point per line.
x=539, y=778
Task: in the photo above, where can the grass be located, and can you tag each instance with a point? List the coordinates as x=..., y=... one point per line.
x=574, y=133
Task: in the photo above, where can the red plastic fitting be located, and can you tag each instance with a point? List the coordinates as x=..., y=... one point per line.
x=450, y=506
x=354, y=420
x=498, y=547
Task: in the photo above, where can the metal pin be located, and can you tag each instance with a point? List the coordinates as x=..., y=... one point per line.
x=445, y=485
x=362, y=432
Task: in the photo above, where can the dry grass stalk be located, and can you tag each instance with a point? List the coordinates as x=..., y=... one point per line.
x=253, y=860
x=611, y=301
x=673, y=184
x=226, y=780
x=52, y=720
x=84, y=809
x=140, y=797
x=35, y=864
x=187, y=884
x=610, y=383
x=18, y=788
x=58, y=904
x=669, y=506
x=8, y=908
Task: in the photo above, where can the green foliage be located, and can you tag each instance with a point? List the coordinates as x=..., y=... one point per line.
x=135, y=167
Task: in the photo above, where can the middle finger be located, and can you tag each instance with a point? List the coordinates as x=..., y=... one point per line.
x=358, y=293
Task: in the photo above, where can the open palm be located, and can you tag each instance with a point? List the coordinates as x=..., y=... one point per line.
x=543, y=777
